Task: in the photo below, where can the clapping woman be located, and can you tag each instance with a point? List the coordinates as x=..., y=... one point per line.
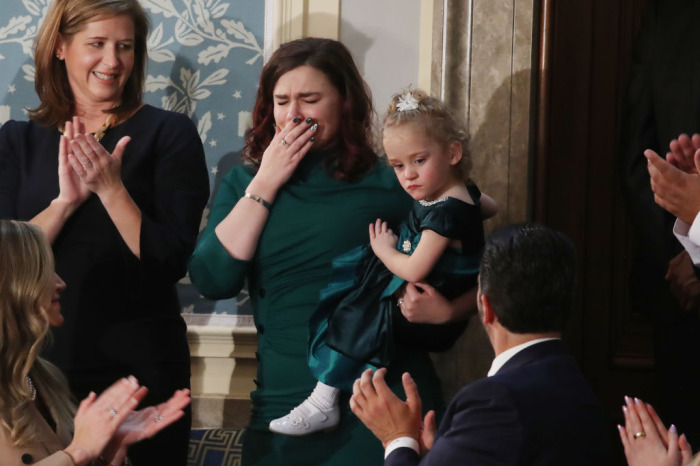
x=118, y=188
x=37, y=424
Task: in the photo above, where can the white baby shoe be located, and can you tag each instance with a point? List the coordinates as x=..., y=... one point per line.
x=305, y=419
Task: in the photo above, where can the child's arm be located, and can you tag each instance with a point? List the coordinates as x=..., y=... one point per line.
x=489, y=206
x=411, y=268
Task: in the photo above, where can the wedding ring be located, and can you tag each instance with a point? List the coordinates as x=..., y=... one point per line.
x=284, y=142
x=157, y=418
x=112, y=411
x=399, y=302
x=640, y=434
x=87, y=165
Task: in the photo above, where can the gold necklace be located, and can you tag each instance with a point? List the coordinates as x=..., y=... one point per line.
x=109, y=121
x=100, y=133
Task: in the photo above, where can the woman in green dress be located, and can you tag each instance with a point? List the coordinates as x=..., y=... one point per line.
x=311, y=185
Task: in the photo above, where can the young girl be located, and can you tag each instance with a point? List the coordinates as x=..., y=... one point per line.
x=356, y=325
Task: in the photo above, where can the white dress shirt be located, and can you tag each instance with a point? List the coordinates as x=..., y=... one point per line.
x=505, y=356
x=689, y=236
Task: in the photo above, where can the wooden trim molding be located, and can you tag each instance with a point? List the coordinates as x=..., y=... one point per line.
x=543, y=110
x=425, y=44
x=293, y=19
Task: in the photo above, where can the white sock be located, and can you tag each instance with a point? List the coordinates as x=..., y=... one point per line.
x=324, y=396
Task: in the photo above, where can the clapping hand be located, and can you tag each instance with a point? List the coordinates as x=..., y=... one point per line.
x=383, y=412
x=98, y=170
x=71, y=189
x=684, y=153
x=145, y=423
x=646, y=440
x=98, y=418
x=674, y=190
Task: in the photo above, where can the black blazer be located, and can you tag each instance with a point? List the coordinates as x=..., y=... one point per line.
x=537, y=410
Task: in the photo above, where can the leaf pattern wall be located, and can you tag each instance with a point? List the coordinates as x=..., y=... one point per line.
x=205, y=57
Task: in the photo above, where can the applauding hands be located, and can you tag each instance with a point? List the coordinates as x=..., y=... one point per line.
x=106, y=425
x=647, y=441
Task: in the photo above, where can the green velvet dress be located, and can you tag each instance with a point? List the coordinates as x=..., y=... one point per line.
x=358, y=324
x=314, y=219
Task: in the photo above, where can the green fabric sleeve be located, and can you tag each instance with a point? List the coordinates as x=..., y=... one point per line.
x=213, y=271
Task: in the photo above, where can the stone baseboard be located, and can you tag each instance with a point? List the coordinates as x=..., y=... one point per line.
x=222, y=349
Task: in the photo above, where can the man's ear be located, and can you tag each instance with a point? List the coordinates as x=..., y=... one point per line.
x=488, y=317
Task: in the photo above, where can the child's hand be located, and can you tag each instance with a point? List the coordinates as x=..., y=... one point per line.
x=381, y=238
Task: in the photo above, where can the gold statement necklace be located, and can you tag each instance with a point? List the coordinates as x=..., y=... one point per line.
x=100, y=133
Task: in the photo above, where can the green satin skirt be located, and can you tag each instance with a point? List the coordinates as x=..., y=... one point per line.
x=358, y=324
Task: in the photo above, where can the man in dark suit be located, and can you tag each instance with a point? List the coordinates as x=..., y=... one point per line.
x=661, y=101
x=535, y=407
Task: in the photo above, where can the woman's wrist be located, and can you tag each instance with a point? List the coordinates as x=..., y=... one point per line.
x=79, y=456
x=263, y=190
x=112, y=194
x=63, y=207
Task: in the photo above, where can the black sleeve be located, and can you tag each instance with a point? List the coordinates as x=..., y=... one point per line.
x=181, y=190
x=9, y=171
x=638, y=132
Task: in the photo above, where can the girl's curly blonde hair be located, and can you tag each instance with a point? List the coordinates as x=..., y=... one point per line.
x=416, y=106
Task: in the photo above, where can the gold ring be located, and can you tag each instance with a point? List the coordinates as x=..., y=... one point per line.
x=640, y=434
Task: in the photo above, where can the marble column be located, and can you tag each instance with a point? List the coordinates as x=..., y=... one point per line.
x=482, y=63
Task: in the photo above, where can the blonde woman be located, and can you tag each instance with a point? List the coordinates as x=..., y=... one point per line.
x=39, y=424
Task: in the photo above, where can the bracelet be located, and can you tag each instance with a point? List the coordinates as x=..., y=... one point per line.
x=258, y=199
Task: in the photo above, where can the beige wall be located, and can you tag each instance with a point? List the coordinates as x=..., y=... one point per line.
x=384, y=37
x=481, y=62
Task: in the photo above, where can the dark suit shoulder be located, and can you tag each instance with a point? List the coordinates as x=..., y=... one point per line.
x=481, y=426
x=553, y=399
